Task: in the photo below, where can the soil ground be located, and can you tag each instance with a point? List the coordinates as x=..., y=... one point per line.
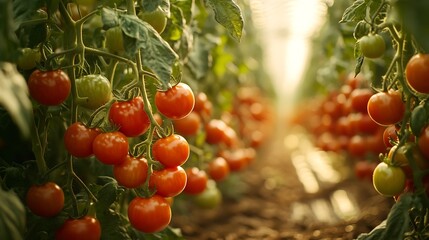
x=291, y=191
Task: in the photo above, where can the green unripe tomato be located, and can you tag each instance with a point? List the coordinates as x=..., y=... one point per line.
x=157, y=19
x=115, y=40
x=94, y=90
x=388, y=180
x=28, y=59
x=210, y=198
x=372, y=45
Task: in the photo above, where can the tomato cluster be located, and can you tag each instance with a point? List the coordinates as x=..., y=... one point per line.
x=340, y=122
x=116, y=130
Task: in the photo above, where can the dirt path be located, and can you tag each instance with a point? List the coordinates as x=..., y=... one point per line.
x=292, y=191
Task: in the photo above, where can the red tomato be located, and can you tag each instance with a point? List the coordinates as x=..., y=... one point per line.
x=417, y=72
x=110, y=147
x=218, y=169
x=130, y=117
x=78, y=139
x=196, y=181
x=49, y=88
x=386, y=108
x=215, y=131
x=189, y=125
x=149, y=215
x=200, y=100
x=85, y=228
x=357, y=146
x=46, y=200
x=364, y=170
x=168, y=182
x=171, y=151
x=131, y=173
x=390, y=135
x=175, y=103
x=237, y=160
x=359, y=99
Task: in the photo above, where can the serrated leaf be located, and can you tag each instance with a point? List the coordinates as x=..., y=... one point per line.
x=109, y=17
x=156, y=53
x=354, y=12
x=228, y=14
x=113, y=225
x=106, y=196
x=398, y=220
x=12, y=217
x=138, y=35
x=14, y=97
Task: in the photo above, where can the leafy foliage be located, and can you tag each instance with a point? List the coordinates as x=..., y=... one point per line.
x=228, y=14
x=12, y=217
x=13, y=97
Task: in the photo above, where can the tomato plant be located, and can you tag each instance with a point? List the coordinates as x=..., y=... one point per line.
x=112, y=89
x=130, y=117
x=149, y=215
x=176, y=102
x=46, y=200
x=49, y=87
x=85, y=228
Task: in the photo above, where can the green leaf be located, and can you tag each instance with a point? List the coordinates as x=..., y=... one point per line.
x=359, y=63
x=107, y=195
x=361, y=9
x=375, y=234
x=14, y=97
x=398, y=219
x=138, y=35
x=8, y=39
x=419, y=119
x=114, y=225
x=186, y=8
x=156, y=53
x=413, y=15
x=199, y=57
x=152, y=5
x=12, y=217
x=354, y=12
x=228, y=14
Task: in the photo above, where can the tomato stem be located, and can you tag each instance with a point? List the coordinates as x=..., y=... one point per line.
x=38, y=149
